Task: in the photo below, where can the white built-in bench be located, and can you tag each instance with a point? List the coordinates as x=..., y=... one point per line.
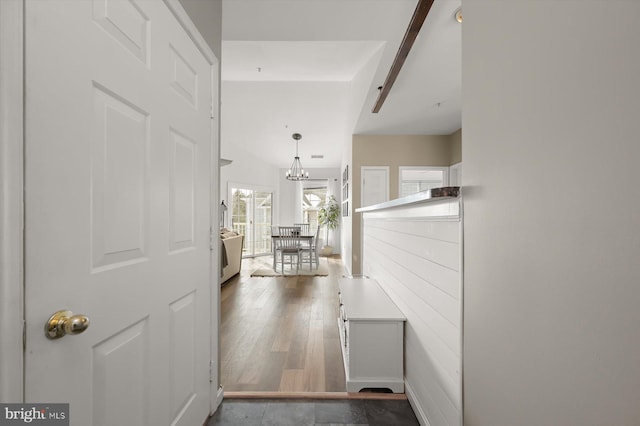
x=371, y=332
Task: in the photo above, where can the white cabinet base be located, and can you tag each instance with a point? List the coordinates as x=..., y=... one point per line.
x=371, y=331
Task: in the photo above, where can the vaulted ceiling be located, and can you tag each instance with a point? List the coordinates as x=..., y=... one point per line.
x=314, y=67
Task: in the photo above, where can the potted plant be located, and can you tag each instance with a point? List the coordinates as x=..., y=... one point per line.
x=329, y=216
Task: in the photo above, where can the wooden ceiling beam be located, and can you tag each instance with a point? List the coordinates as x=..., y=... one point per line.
x=419, y=15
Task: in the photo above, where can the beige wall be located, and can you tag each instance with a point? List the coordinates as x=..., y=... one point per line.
x=395, y=151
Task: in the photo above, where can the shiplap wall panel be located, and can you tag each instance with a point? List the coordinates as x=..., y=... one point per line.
x=440, y=230
x=425, y=324
x=437, y=310
x=441, y=252
x=434, y=211
x=444, y=279
x=414, y=252
x=435, y=397
x=442, y=295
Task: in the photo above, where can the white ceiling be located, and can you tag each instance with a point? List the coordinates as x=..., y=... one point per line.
x=313, y=67
x=295, y=60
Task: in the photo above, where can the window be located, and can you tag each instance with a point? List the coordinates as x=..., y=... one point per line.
x=313, y=199
x=417, y=179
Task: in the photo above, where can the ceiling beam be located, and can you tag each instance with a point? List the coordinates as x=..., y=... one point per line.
x=418, y=18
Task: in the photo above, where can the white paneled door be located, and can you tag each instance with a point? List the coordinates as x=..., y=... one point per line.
x=117, y=148
x=375, y=185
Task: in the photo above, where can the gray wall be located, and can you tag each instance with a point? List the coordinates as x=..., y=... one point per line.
x=551, y=105
x=207, y=17
x=455, y=139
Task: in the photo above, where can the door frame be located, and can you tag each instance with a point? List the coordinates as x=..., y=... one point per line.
x=12, y=200
x=12, y=209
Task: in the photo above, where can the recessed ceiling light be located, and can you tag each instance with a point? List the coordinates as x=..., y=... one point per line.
x=317, y=156
x=458, y=15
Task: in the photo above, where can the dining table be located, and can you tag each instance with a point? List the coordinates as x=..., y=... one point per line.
x=306, y=236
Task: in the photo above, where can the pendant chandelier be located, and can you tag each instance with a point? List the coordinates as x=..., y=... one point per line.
x=296, y=172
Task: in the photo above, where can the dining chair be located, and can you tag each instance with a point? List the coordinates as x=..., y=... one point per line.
x=305, y=228
x=289, y=245
x=275, y=232
x=315, y=247
x=310, y=250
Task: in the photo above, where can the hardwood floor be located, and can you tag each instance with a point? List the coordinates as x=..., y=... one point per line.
x=280, y=334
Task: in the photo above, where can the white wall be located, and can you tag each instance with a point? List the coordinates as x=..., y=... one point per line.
x=251, y=171
x=289, y=200
x=335, y=189
x=551, y=103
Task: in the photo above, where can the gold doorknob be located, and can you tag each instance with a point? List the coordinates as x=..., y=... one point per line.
x=64, y=322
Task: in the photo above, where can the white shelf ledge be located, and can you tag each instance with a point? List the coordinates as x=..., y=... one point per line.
x=435, y=194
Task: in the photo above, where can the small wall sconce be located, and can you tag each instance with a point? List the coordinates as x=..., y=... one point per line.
x=223, y=210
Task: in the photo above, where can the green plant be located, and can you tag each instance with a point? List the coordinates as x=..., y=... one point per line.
x=329, y=215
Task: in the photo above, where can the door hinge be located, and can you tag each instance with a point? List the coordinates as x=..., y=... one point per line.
x=211, y=112
x=210, y=371
x=24, y=335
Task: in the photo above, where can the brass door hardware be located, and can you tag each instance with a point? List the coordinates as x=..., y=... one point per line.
x=64, y=322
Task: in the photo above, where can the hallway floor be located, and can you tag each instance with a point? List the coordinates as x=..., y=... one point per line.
x=303, y=412
x=280, y=334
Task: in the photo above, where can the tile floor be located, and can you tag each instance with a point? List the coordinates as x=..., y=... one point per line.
x=288, y=412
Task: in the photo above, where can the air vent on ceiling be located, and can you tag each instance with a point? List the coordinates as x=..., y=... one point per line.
x=317, y=156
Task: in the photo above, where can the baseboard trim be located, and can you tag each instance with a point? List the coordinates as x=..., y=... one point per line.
x=417, y=408
x=313, y=395
x=219, y=397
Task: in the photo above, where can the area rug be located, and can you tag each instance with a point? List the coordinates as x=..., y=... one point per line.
x=322, y=271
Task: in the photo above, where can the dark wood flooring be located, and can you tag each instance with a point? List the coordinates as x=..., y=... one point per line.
x=280, y=334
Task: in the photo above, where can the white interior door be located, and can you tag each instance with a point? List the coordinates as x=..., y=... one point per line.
x=117, y=148
x=374, y=184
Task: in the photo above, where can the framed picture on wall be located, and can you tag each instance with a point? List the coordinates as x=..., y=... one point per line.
x=345, y=191
x=345, y=208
